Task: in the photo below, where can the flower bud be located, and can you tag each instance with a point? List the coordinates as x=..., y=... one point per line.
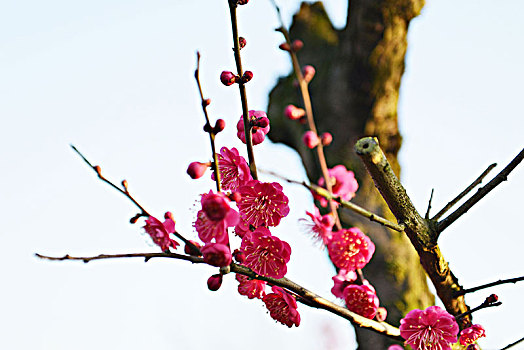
x=196, y=169
x=124, y=184
x=206, y=102
x=242, y=42
x=308, y=72
x=473, y=347
x=169, y=215
x=235, y=197
x=326, y=138
x=493, y=298
x=189, y=250
x=297, y=45
x=208, y=128
x=261, y=122
x=219, y=126
x=98, y=170
x=310, y=139
x=135, y=218
x=293, y=112
x=284, y=47
x=239, y=256
x=242, y=2
x=214, y=282
x=248, y=75
x=228, y=78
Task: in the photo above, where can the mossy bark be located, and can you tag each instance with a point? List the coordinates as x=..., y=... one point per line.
x=355, y=94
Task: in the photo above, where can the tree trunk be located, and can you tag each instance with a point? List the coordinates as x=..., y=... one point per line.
x=355, y=94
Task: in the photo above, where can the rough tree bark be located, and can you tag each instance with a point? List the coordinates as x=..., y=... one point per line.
x=355, y=94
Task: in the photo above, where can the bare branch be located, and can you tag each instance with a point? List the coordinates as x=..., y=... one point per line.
x=311, y=299
x=488, y=285
x=462, y=194
x=429, y=204
x=483, y=191
x=513, y=344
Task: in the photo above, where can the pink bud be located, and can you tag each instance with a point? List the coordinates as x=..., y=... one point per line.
x=381, y=314
x=293, y=112
x=169, y=215
x=206, y=102
x=284, y=46
x=242, y=42
x=192, y=251
x=297, y=45
x=493, y=298
x=248, y=75
x=473, y=347
x=217, y=254
x=196, y=169
x=310, y=139
x=239, y=256
x=261, y=122
x=242, y=2
x=219, y=126
x=228, y=78
x=309, y=73
x=326, y=138
x=235, y=197
x=214, y=282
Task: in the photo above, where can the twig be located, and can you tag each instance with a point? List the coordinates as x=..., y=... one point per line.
x=313, y=299
x=513, y=344
x=483, y=191
x=351, y=206
x=125, y=192
x=242, y=89
x=306, y=98
x=488, y=285
x=475, y=183
x=429, y=204
x=208, y=127
x=484, y=305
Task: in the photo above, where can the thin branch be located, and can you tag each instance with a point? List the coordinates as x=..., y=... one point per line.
x=125, y=192
x=351, y=206
x=483, y=191
x=513, y=344
x=311, y=298
x=208, y=127
x=306, y=98
x=480, y=307
x=429, y=204
x=488, y=285
x=474, y=184
x=242, y=89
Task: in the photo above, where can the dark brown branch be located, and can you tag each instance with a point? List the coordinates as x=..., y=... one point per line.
x=475, y=183
x=483, y=191
x=419, y=231
x=208, y=127
x=488, y=285
x=429, y=204
x=487, y=303
x=242, y=89
x=313, y=299
x=349, y=205
x=513, y=344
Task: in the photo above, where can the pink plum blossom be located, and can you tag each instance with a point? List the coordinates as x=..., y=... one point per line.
x=159, y=232
x=310, y=139
x=233, y=169
x=196, y=169
x=350, y=249
x=282, y=307
x=429, y=329
x=262, y=203
x=308, y=72
x=251, y=288
x=343, y=184
x=292, y=112
x=214, y=218
x=257, y=133
x=471, y=334
x=320, y=225
x=361, y=299
x=217, y=254
x=343, y=279
x=266, y=255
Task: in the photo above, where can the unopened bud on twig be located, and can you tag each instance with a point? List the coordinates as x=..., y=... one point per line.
x=219, y=126
x=124, y=185
x=293, y=112
x=308, y=72
x=326, y=138
x=248, y=75
x=297, y=45
x=190, y=250
x=242, y=42
x=196, y=169
x=228, y=78
x=235, y=197
x=135, y=218
x=206, y=102
x=214, y=282
x=239, y=256
x=285, y=47
x=98, y=170
x=493, y=298
x=310, y=139
x=242, y=2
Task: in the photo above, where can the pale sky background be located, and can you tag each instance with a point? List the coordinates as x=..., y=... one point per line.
x=115, y=79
